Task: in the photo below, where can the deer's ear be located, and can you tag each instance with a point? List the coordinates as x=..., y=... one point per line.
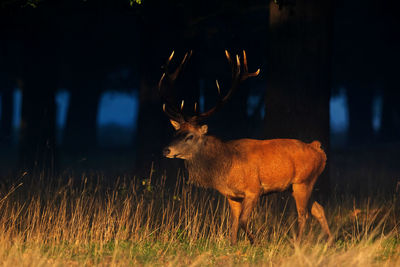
x=204, y=129
x=175, y=124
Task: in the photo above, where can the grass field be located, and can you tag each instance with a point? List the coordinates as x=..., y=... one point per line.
x=89, y=221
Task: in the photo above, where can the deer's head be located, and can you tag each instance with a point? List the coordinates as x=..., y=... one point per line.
x=190, y=134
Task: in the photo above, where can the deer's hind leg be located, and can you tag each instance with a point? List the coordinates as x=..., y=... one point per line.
x=318, y=212
x=301, y=194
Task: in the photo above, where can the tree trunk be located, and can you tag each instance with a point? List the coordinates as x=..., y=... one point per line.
x=80, y=134
x=390, y=55
x=9, y=54
x=299, y=74
x=359, y=99
x=37, y=129
x=40, y=77
x=7, y=108
x=390, y=123
x=85, y=54
x=361, y=60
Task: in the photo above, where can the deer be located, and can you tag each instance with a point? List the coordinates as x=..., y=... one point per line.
x=242, y=170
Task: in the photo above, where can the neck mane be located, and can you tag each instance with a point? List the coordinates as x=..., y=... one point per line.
x=211, y=163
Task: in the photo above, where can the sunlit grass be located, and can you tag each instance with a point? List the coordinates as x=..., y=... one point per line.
x=92, y=221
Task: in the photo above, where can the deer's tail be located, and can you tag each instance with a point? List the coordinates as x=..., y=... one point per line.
x=317, y=146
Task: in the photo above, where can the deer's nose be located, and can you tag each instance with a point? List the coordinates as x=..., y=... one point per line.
x=166, y=151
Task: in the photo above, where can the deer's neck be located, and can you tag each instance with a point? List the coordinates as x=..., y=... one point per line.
x=211, y=163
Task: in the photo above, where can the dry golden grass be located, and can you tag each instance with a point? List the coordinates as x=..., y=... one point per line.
x=84, y=221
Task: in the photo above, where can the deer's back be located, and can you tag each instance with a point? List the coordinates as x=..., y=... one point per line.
x=273, y=165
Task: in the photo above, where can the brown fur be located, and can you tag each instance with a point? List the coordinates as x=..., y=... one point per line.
x=209, y=165
x=244, y=169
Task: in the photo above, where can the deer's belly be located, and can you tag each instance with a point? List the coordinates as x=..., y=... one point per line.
x=230, y=192
x=275, y=186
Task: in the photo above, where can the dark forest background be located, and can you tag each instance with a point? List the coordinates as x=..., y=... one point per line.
x=309, y=52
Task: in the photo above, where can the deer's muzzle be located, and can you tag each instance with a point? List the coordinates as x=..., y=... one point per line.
x=166, y=152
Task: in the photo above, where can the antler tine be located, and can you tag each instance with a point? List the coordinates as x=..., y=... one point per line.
x=235, y=81
x=168, y=108
x=171, y=113
x=246, y=69
x=171, y=56
x=228, y=56
x=179, y=68
x=218, y=88
x=233, y=66
x=165, y=66
x=238, y=64
x=160, y=82
x=246, y=73
x=237, y=77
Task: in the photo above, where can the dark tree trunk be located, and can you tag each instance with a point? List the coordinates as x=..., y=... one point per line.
x=7, y=107
x=6, y=90
x=299, y=74
x=360, y=60
x=360, y=114
x=40, y=77
x=86, y=55
x=80, y=135
x=390, y=54
x=9, y=55
x=37, y=129
x=390, y=123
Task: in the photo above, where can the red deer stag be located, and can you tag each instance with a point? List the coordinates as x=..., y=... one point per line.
x=243, y=169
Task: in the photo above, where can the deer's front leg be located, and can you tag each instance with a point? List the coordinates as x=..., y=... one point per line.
x=248, y=204
x=236, y=208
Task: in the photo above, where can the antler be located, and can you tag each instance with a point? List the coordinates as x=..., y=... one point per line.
x=169, y=109
x=237, y=77
x=177, y=113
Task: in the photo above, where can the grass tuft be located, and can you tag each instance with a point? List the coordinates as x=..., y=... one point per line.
x=88, y=221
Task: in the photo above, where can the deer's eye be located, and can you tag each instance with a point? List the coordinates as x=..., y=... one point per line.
x=189, y=137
